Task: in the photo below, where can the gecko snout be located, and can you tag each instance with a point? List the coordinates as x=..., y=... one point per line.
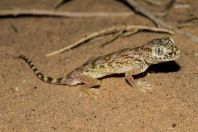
x=176, y=52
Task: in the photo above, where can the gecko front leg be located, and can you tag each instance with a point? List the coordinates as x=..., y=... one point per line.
x=142, y=86
x=140, y=67
x=129, y=77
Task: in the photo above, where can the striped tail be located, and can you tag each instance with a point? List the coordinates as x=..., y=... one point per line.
x=42, y=77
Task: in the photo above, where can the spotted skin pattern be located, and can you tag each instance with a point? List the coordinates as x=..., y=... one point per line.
x=128, y=61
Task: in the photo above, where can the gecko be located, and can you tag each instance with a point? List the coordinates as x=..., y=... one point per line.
x=129, y=61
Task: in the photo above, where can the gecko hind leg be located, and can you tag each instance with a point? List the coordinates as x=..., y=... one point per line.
x=90, y=82
x=92, y=92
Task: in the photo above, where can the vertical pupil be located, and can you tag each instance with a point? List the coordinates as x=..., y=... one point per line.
x=159, y=50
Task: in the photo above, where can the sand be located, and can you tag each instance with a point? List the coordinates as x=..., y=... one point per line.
x=28, y=104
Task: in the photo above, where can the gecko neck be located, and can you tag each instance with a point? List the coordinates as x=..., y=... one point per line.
x=145, y=56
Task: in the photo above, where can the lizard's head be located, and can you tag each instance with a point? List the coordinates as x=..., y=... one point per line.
x=160, y=50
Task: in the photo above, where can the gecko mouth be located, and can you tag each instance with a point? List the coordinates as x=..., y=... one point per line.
x=167, y=57
x=173, y=55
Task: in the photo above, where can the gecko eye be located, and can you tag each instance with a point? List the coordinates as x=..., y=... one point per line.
x=159, y=50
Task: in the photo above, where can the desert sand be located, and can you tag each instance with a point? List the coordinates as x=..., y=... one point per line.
x=28, y=104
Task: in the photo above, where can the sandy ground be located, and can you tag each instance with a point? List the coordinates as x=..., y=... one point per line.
x=27, y=104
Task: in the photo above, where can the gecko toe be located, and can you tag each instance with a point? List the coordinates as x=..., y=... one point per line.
x=144, y=86
x=92, y=92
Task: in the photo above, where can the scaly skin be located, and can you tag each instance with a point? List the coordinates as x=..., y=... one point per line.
x=128, y=61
